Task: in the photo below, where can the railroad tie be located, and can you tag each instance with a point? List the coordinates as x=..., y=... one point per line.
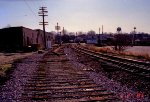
x=57, y=81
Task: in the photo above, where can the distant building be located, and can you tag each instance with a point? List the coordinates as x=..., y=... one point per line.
x=142, y=39
x=91, y=39
x=17, y=38
x=80, y=38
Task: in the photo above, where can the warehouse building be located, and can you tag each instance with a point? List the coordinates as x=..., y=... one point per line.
x=18, y=38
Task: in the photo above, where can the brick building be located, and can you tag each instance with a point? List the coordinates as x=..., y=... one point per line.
x=49, y=38
x=17, y=38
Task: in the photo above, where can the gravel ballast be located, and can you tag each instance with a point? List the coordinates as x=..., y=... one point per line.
x=122, y=91
x=12, y=90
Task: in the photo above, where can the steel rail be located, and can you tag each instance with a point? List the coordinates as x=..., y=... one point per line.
x=134, y=66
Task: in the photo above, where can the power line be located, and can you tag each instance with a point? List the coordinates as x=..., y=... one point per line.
x=30, y=9
x=41, y=3
x=37, y=4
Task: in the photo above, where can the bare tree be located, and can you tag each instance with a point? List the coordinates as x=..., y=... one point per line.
x=121, y=41
x=91, y=32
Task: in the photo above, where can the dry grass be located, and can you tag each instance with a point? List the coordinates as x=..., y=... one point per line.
x=4, y=68
x=5, y=61
x=98, y=49
x=143, y=56
x=140, y=56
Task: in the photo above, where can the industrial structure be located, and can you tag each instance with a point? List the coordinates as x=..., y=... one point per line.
x=18, y=38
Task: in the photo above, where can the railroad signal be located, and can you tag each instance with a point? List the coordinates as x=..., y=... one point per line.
x=133, y=37
x=57, y=27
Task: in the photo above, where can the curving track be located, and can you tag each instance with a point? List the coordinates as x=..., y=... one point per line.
x=133, y=66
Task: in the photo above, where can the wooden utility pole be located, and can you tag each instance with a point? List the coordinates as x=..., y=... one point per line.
x=42, y=13
x=99, y=37
x=102, y=29
x=63, y=31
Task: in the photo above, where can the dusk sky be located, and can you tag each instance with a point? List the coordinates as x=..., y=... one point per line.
x=78, y=15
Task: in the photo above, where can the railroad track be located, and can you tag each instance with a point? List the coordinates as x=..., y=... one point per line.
x=56, y=81
x=133, y=66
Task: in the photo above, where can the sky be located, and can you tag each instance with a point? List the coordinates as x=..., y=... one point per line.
x=78, y=15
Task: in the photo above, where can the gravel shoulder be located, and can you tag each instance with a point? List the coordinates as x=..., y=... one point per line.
x=12, y=89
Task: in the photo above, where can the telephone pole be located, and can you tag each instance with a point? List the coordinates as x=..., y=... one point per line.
x=102, y=29
x=99, y=37
x=42, y=13
x=63, y=31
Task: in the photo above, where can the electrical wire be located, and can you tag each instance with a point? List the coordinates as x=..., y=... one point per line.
x=29, y=7
x=41, y=3
x=34, y=14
